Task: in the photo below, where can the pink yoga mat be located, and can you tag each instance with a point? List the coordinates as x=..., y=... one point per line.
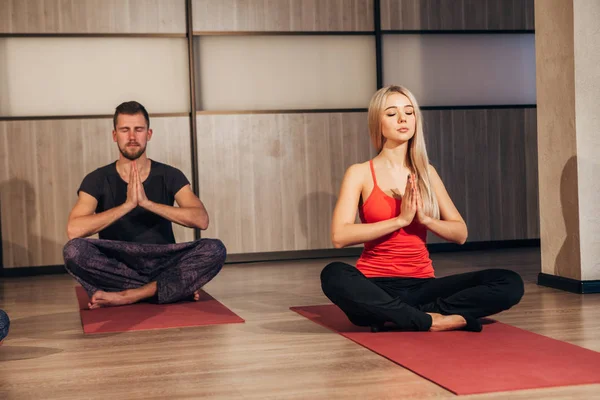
x=500, y=358
x=146, y=316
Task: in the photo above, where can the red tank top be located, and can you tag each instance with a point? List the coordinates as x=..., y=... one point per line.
x=402, y=253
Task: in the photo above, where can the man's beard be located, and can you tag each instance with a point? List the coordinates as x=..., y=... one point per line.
x=133, y=154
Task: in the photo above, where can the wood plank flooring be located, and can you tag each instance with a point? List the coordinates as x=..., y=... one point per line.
x=276, y=354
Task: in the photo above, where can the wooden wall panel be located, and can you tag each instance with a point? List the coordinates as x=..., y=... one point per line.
x=42, y=165
x=488, y=162
x=531, y=174
x=270, y=181
x=457, y=15
x=170, y=144
x=477, y=195
x=92, y=16
x=282, y=16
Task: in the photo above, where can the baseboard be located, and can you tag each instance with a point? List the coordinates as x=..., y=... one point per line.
x=293, y=255
x=32, y=271
x=568, y=284
x=489, y=245
x=301, y=255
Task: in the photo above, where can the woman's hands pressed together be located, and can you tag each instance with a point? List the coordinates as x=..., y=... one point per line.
x=412, y=204
x=408, y=209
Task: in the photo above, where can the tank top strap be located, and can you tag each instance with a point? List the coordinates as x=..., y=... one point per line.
x=373, y=172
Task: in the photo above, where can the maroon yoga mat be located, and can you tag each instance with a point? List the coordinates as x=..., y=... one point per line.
x=145, y=316
x=500, y=358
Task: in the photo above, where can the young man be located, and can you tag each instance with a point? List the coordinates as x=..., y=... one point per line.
x=130, y=204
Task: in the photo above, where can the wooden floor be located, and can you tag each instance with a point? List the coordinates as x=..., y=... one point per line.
x=276, y=354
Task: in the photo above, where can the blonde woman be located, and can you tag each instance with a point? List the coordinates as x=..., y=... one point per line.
x=400, y=197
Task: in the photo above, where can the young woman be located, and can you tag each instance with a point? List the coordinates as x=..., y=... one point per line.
x=400, y=197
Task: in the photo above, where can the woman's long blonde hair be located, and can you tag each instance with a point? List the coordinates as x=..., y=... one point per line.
x=417, y=159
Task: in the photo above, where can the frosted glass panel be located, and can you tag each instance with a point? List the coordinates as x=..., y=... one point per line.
x=462, y=69
x=285, y=72
x=81, y=76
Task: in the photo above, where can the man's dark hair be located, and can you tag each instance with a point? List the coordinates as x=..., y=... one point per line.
x=130, y=108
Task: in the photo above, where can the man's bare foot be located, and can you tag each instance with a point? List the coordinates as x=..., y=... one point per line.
x=129, y=296
x=197, y=295
x=109, y=299
x=442, y=323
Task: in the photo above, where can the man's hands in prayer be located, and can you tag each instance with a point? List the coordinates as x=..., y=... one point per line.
x=141, y=193
x=132, y=201
x=190, y=213
x=136, y=196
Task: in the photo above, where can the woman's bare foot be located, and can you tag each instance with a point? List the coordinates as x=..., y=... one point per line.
x=197, y=295
x=440, y=323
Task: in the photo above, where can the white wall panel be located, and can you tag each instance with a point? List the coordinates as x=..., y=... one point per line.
x=285, y=72
x=91, y=76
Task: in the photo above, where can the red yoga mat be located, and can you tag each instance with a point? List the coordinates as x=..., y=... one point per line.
x=146, y=316
x=498, y=359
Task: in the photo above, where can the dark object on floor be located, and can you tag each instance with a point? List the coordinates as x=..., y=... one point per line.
x=4, y=325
